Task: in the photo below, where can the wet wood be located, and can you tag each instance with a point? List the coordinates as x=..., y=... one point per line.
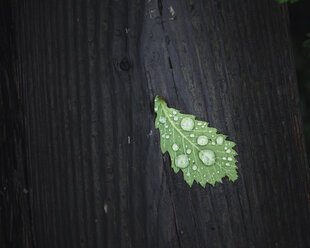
x=85, y=167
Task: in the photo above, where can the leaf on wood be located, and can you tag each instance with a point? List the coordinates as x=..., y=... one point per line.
x=203, y=155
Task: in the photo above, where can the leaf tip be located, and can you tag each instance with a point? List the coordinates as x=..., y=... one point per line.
x=157, y=101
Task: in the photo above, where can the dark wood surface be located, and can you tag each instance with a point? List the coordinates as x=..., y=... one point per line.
x=80, y=156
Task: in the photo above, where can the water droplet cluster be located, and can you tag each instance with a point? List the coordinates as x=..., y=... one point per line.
x=196, y=149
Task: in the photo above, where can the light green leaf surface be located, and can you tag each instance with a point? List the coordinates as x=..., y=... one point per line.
x=203, y=155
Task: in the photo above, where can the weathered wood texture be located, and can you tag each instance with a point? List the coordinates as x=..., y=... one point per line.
x=89, y=171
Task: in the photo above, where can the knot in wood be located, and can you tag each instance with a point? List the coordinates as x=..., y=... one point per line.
x=125, y=64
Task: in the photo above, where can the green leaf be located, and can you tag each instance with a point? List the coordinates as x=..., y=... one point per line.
x=196, y=149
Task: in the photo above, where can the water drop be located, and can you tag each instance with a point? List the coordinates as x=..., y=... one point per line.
x=227, y=164
x=207, y=157
x=167, y=136
x=188, y=151
x=220, y=140
x=166, y=126
x=192, y=135
x=199, y=123
x=174, y=112
x=156, y=109
x=175, y=118
x=225, y=148
x=175, y=147
x=187, y=124
x=213, y=143
x=188, y=174
x=181, y=161
x=162, y=119
x=224, y=158
x=194, y=167
x=170, y=115
x=202, y=140
x=230, y=159
x=228, y=151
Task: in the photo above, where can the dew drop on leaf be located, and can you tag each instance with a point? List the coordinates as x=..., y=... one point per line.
x=192, y=135
x=162, y=119
x=187, y=124
x=175, y=118
x=194, y=167
x=219, y=140
x=202, y=140
x=228, y=151
x=167, y=136
x=175, y=147
x=207, y=157
x=181, y=161
x=229, y=159
x=188, y=151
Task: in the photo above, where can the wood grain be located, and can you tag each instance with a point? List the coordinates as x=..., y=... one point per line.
x=83, y=77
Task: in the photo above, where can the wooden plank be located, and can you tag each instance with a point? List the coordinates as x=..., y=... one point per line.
x=88, y=72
